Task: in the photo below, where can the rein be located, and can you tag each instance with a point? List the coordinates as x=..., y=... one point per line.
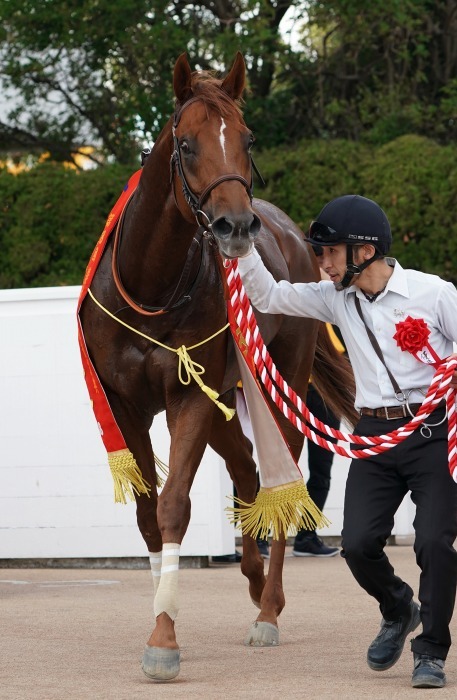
x=176, y=300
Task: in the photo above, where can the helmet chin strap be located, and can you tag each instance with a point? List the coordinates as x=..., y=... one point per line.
x=353, y=270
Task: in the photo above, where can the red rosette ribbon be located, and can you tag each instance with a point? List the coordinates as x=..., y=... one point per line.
x=412, y=336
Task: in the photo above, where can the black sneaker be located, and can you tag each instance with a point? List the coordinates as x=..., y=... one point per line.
x=385, y=650
x=227, y=558
x=263, y=547
x=313, y=547
x=428, y=672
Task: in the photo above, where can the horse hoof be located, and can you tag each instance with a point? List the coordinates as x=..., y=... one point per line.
x=160, y=664
x=256, y=603
x=262, y=634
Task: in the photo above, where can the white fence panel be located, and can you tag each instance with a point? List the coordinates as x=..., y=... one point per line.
x=56, y=499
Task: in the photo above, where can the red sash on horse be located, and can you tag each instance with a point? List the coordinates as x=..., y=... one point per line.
x=126, y=475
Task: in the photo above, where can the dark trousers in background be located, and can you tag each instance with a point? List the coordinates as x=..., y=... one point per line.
x=375, y=489
x=320, y=460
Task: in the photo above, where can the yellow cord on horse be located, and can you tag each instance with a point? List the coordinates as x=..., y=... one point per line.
x=193, y=369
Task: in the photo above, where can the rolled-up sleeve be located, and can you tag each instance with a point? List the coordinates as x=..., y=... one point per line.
x=283, y=297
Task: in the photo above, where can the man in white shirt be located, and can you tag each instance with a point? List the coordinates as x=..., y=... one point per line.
x=390, y=386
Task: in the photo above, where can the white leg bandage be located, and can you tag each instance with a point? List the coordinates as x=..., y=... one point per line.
x=155, y=559
x=166, y=597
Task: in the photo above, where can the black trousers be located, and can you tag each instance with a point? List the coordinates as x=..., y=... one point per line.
x=320, y=460
x=375, y=489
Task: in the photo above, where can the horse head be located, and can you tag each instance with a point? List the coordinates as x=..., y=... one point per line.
x=212, y=155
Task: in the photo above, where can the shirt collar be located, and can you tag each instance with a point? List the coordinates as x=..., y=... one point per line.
x=397, y=283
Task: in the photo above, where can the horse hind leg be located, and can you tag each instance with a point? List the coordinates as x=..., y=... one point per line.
x=266, y=592
x=264, y=632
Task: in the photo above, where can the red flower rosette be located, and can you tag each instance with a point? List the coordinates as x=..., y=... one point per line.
x=412, y=336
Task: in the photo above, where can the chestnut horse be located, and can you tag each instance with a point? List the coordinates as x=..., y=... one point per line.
x=166, y=282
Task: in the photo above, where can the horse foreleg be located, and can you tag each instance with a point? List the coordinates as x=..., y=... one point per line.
x=161, y=654
x=161, y=657
x=264, y=631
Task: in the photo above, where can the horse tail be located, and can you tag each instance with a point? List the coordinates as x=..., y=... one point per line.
x=333, y=378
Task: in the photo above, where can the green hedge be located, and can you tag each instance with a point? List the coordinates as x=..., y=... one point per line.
x=50, y=220
x=413, y=178
x=51, y=217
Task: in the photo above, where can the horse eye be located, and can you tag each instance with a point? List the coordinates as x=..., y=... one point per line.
x=185, y=148
x=251, y=142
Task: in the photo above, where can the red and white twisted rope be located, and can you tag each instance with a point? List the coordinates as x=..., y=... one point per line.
x=277, y=386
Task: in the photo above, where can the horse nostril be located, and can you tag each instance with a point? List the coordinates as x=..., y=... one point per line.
x=254, y=228
x=246, y=224
x=222, y=227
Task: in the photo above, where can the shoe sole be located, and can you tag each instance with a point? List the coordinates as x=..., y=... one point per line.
x=427, y=682
x=415, y=622
x=319, y=556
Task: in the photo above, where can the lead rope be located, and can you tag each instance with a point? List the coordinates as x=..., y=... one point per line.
x=277, y=386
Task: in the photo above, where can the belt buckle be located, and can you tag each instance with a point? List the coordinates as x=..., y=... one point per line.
x=386, y=411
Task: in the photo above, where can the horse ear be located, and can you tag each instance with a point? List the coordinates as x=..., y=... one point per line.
x=182, y=79
x=235, y=81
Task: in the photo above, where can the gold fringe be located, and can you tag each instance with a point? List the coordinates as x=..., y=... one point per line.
x=281, y=509
x=127, y=477
x=161, y=466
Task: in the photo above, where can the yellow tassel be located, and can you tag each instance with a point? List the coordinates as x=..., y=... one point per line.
x=194, y=370
x=163, y=468
x=127, y=477
x=279, y=510
x=213, y=395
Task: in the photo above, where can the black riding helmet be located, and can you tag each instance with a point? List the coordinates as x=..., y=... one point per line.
x=353, y=220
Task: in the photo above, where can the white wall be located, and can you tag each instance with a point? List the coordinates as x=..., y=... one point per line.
x=56, y=495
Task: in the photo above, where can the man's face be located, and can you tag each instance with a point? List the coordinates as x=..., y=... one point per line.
x=333, y=261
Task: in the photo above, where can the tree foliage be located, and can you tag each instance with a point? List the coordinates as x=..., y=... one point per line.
x=100, y=72
x=386, y=69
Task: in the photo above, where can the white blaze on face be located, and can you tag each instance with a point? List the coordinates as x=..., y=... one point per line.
x=222, y=137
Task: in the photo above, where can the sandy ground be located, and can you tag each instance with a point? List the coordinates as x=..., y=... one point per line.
x=78, y=634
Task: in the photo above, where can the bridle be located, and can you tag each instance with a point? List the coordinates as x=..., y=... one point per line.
x=195, y=202
x=180, y=295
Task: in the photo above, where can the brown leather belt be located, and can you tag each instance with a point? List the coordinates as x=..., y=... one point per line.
x=391, y=412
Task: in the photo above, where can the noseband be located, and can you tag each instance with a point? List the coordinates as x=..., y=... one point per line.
x=196, y=202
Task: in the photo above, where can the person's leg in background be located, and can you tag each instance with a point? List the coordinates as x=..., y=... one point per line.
x=307, y=543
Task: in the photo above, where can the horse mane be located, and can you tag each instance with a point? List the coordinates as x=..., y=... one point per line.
x=207, y=87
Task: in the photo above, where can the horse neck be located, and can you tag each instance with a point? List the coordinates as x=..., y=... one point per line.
x=155, y=236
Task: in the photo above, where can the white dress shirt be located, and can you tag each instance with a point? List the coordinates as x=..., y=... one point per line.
x=407, y=293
